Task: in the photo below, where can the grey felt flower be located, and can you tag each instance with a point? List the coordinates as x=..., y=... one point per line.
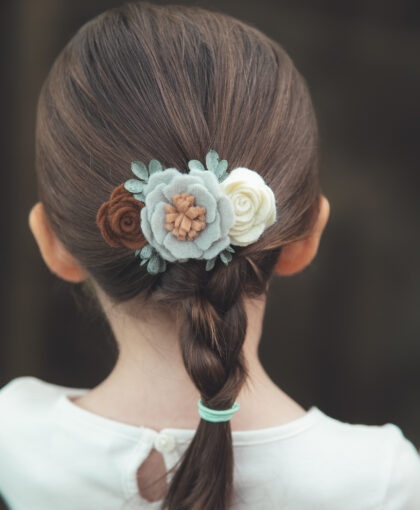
x=186, y=215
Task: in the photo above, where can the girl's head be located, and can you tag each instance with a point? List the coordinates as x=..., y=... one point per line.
x=143, y=82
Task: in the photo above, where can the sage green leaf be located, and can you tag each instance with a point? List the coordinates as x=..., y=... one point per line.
x=137, y=252
x=195, y=164
x=229, y=248
x=144, y=261
x=133, y=186
x=153, y=264
x=221, y=168
x=155, y=166
x=223, y=177
x=212, y=161
x=225, y=257
x=210, y=264
x=146, y=252
x=139, y=169
x=140, y=197
x=162, y=265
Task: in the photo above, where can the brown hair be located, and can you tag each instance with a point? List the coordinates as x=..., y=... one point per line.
x=146, y=81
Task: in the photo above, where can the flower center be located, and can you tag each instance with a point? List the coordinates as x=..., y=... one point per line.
x=185, y=219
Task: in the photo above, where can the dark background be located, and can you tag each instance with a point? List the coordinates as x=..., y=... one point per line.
x=344, y=333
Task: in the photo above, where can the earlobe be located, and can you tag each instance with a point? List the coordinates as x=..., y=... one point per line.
x=56, y=257
x=294, y=257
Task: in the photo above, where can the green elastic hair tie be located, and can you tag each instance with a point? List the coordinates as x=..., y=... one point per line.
x=215, y=415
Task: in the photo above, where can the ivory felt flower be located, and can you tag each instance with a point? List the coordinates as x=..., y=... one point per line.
x=253, y=203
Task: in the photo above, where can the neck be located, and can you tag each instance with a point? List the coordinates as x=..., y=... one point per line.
x=150, y=386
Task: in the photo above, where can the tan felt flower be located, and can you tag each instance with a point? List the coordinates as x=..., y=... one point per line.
x=119, y=220
x=185, y=219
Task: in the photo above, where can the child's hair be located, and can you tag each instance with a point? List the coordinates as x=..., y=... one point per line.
x=146, y=81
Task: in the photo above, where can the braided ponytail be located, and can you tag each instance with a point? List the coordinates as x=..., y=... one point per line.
x=212, y=330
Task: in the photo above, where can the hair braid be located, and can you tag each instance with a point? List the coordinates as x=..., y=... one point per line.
x=212, y=328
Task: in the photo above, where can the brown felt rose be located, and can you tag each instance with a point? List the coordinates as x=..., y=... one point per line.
x=119, y=220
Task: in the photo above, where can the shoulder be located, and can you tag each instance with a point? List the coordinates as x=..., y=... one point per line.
x=403, y=487
x=27, y=390
x=21, y=385
x=375, y=456
x=27, y=421
x=25, y=403
x=27, y=428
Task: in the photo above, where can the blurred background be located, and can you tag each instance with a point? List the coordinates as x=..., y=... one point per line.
x=342, y=335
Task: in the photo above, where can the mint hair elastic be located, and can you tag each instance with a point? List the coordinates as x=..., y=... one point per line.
x=214, y=415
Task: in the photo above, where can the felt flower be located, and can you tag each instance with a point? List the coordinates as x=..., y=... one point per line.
x=119, y=220
x=198, y=215
x=186, y=215
x=253, y=204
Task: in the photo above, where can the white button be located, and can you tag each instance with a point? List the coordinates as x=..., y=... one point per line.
x=164, y=442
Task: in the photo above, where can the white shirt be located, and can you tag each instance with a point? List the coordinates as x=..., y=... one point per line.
x=54, y=455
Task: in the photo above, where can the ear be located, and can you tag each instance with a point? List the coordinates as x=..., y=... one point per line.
x=297, y=255
x=55, y=255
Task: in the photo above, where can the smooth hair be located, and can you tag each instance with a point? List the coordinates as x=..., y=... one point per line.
x=144, y=81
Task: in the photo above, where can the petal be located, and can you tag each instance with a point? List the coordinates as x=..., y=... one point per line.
x=164, y=253
x=157, y=222
x=155, y=197
x=272, y=217
x=247, y=237
x=181, y=249
x=178, y=185
x=266, y=204
x=209, y=181
x=204, y=199
x=244, y=208
x=159, y=177
x=247, y=193
x=227, y=215
x=118, y=193
x=147, y=232
x=250, y=178
x=209, y=234
x=145, y=226
x=217, y=247
x=102, y=212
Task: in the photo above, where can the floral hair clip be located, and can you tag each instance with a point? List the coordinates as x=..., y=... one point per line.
x=168, y=216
